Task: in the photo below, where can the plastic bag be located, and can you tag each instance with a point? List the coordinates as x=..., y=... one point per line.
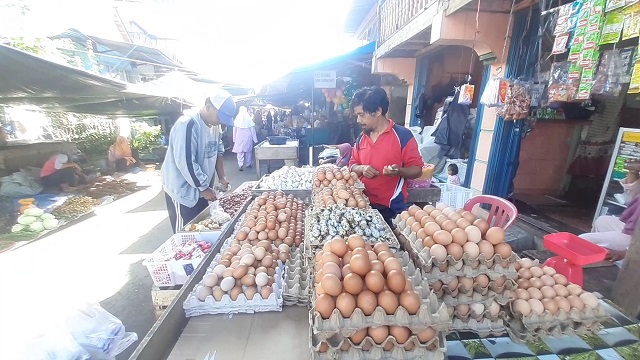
x=55, y=345
x=562, y=88
x=466, y=94
x=517, y=103
x=609, y=75
x=19, y=184
x=100, y=334
x=218, y=214
x=492, y=95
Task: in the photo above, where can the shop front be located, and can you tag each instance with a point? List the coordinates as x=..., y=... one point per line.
x=554, y=160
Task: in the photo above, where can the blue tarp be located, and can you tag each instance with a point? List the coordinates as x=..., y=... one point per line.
x=363, y=53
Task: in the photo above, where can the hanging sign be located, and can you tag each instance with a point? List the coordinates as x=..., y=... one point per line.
x=324, y=80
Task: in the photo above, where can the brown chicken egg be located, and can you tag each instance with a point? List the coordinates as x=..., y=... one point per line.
x=410, y=300
x=358, y=336
x=548, y=292
x=560, y=279
x=471, y=249
x=548, y=270
x=486, y=249
x=525, y=273
x=396, y=281
x=535, y=293
x=367, y=302
x=400, y=333
x=504, y=250
x=442, y=237
x=346, y=304
x=466, y=282
x=378, y=334
x=439, y=252
x=331, y=284
x=523, y=284
x=449, y=226
x=563, y=303
x=576, y=302
x=574, y=289
x=483, y=225
x=459, y=236
x=388, y=301
x=462, y=309
x=467, y=215
x=426, y=335
x=431, y=228
x=332, y=268
x=547, y=280
x=473, y=234
x=482, y=280
x=536, y=283
x=375, y=281
x=428, y=209
x=550, y=306
x=536, y=306
x=413, y=209
x=536, y=271
x=325, y=305
x=495, y=235
x=521, y=307
x=455, y=251
x=353, y=284
x=463, y=223
x=589, y=300
x=522, y=294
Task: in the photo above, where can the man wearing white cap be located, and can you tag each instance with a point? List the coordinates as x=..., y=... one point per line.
x=193, y=156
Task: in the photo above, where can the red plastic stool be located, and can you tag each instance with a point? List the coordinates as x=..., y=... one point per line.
x=573, y=253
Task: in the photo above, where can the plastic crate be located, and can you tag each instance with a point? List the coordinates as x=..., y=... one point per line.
x=172, y=272
x=454, y=195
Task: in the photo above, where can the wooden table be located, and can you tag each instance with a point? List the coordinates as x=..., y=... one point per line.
x=287, y=152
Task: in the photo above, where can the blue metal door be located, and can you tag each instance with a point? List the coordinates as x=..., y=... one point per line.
x=505, y=148
x=486, y=73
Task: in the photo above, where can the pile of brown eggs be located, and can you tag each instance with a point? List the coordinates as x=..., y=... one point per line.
x=275, y=217
x=447, y=232
x=351, y=274
x=541, y=290
x=244, y=269
x=331, y=175
x=341, y=194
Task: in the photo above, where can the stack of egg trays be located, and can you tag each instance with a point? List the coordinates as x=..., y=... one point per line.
x=194, y=307
x=297, y=280
x=339, y=347
x=445, y=271
x=562, y=323
x=337, y=329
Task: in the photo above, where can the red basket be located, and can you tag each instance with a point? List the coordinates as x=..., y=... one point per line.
x=573, y=248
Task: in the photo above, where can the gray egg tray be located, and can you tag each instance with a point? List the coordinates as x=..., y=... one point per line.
x=430, y=314
x=324, y=224
x=518, y=332
x=482, y=327
x=368, y=349
x=485, y=315
x=297, y=281
x=576, y=317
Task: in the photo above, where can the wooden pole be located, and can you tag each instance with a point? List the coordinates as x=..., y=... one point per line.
x=625, y=289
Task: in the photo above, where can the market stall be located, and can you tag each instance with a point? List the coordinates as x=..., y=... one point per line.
x=285, y=149
x=320, y=274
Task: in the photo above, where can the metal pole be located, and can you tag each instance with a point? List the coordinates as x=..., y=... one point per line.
x=313, y=90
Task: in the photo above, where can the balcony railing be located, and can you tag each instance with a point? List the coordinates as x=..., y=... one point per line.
x=394, y=14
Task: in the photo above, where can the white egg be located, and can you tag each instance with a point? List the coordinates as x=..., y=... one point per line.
x=227, y=283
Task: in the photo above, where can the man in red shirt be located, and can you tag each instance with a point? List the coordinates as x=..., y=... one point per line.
x=384, y=155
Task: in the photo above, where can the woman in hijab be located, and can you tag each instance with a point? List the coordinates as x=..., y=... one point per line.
x=345, y=155
x=244, y=138
x=121, y=156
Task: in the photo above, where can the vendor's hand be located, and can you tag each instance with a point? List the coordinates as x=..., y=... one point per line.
x=632, y=165
x=369, y=171
x=615, y=255
x=224, y=182
x=391, y=170
x=209, y=195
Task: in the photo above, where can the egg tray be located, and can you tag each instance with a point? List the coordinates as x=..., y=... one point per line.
x=312, y=220
x=480, y=261
x=194, y=307
x=482, y=327
x=375, y=351
x=485, y=315
x=302, y=194
x=518, y=333
x=546, y=320
x=462, y=299
x=509, y=285
x=297, y=281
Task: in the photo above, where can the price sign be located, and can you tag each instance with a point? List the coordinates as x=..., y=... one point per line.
x=324, y=80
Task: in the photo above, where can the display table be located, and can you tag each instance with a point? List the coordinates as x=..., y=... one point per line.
x=424, y=195
x=287, y=152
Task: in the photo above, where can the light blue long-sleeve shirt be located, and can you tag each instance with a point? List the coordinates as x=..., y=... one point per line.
x=190, y=163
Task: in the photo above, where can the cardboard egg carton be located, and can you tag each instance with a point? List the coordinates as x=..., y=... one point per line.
x=430, y=314
x=509, y=285
x=472, y=315
x=518, y=332
x=297, y=281
x=574, y=316
x=483, y=327
x=194, y=307
x=459, y=299
x=342, y=348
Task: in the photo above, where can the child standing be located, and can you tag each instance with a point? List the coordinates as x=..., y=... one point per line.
x=453, y=178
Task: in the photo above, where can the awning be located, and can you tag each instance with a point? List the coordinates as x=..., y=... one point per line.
x=31, y=80
x=297, y=85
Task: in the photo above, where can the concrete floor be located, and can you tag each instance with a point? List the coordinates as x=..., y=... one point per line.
x=97, y=260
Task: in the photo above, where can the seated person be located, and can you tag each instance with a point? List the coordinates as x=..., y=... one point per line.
x=343, y=159
x=121, y=156
x=614, y=234
x=59, y=172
